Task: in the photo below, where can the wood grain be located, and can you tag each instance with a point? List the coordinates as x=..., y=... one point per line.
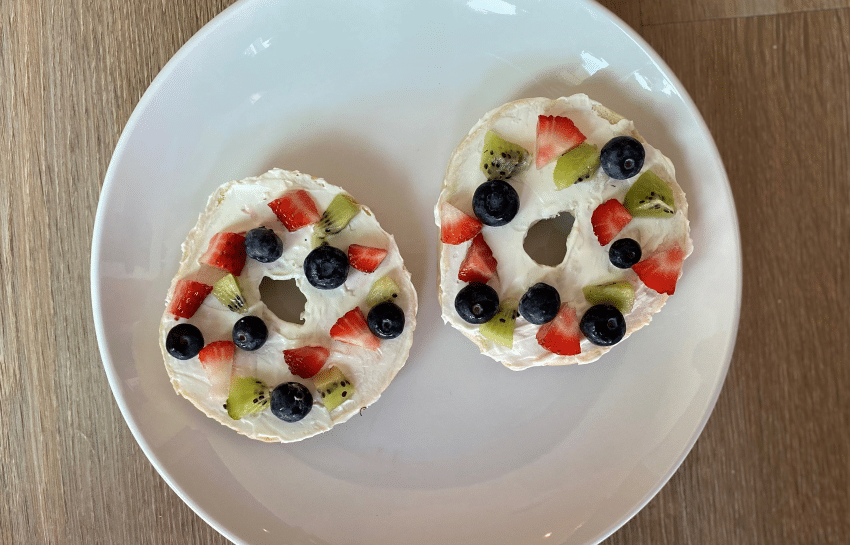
x=773, y=464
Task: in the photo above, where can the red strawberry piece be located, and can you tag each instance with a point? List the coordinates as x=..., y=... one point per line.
x=555, y=136
x=352, y=329
x=217, y=360
x=608, y=220
x=295, y=209
x=661, y=269
x=188, y=296
x=307, y=360
x=226, y=252
x=479, y=265
x=562, y=335
x=365, y=258
x=455, y=226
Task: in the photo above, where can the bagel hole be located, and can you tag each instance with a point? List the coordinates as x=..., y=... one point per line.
x=546, y=240
x=283, y=298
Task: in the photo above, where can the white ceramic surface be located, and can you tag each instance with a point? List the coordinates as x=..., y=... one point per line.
x=374, y=96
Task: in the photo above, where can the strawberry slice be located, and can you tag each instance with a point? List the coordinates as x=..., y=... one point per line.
x=608, y=220
x=307, y=360
x=555, y=136
x=217, y=360
x=455, y=226
x=352, y=329
x=562, y=335
x=226, y=252
x=479, y=265
x=365, y=258
x=295, y=209
x=661, y=269
x=188, y=296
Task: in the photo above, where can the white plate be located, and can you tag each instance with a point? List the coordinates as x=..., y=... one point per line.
x=374, y=96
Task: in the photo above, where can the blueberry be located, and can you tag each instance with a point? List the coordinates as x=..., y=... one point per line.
x=603, y=325
x=624, y=253
x=184, y=341
x=291, y=401
x=540, y=304
x=249, y=333
x=622, y=157
x=386, y=320
x=263, y=245
x=326, y=267
x=495, y=203
x=477, y=303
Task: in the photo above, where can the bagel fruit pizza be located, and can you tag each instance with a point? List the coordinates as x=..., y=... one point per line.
x=267, y=378
x=533, y=160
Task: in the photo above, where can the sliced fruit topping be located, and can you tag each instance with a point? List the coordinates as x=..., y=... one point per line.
x=500, y=328
x=184, y=341
x=291, y=401
x=217, y=360
x=326, y=267
x=495, y=203
x=622, y=157
x=250, y=333
x=661, y=270
x=384, y=289
x=455, y=226
x=263, y=245
x=603, y=325
x=248, y=395
x=226, y=252
x=386, y=320
x=576, y=165
x=479, y=265
x=618, y=294
x=336, y=216
x=650, y=197
x=352, y=329
x=227, y=291
x=540, y=303
x=555, y=135
x=501, y=159
x=295, y=209
x=188, y=296
x=365, y=258
x=562, y=335
x=476, y=303
x=624, y=253
x=334, y=387
x=608, y=220
x=306, y=361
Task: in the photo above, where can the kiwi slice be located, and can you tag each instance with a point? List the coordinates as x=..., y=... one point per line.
x=576, y=165
x=384, y=289
x=618, y=294
x=336, y=216
x=650, y=197
x=227, y=291
x=333, y=387
x=500, y=328
x=248, y=395
x=501, y=159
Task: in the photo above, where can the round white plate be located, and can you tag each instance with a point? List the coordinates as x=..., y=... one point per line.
x=374, y=96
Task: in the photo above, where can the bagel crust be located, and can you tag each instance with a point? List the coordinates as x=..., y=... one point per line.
x=586, y=262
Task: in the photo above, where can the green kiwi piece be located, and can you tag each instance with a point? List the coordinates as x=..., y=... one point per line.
x=500, y=328
x=617, y=294
x=576, y=165
x=501, y=159
x=650, y=197
x=227, y=291
x=333, y=387
x=336, y=216
x=384, y=289
x=248, y=395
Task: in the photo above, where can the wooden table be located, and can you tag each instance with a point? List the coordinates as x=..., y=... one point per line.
x=771, y=78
